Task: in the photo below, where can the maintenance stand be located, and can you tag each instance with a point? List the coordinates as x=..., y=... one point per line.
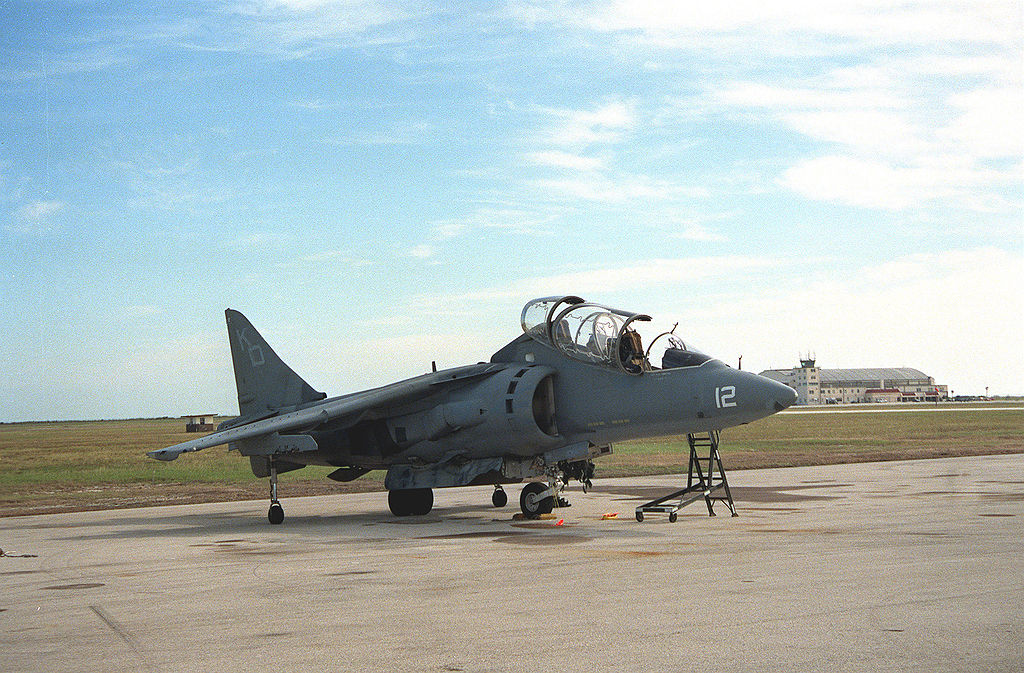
x=697, y=485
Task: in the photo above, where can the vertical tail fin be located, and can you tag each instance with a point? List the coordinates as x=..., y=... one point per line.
x=265, y=383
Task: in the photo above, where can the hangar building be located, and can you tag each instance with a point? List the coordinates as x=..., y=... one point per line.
x=814, y=385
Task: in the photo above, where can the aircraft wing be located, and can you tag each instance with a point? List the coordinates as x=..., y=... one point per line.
x=353, y=406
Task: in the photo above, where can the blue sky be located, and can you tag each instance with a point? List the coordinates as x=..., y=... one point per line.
x=380, y=185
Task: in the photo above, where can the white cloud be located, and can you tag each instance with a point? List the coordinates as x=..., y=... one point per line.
x=141, y=311
x=444, y=231
x=408, y=132
x=36, y=218
x=601, y=125
x=87, y=60
x=301, y=28
x=581, y=177
x=873, y=132
x=954, y=315
x=39, y=210
x=254, y=241
x=997, y=66
x=989, y=124
x=422, y=251
x=894, y=186
x=922, y=22
x=636, y=276
x=925, y=84
x=511, y=221
x=651, y=273
x=821, y=96
x=341, y=257
x=860, y=108
x=618, y=188
x=698, y=232
x=855, y=182
x=897, y=138
x=314, y=104
x=565, y=160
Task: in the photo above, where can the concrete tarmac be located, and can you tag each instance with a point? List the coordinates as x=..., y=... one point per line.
x=899, y=566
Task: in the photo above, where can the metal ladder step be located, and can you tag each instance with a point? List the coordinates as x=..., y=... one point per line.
x=700, y=485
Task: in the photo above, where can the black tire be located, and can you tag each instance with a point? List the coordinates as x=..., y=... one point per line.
x=398, y=502
x=410, y=501
x=275, y=514
x=672, y=516
x=640, y=516
x=531, y=505
x=422, y=501
x=499, y=498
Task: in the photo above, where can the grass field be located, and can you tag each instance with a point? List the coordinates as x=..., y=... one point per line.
x=51, y=467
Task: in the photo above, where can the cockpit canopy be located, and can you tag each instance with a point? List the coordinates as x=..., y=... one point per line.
x=605, y=336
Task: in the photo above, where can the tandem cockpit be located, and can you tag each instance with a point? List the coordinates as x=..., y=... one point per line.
x=605, y=336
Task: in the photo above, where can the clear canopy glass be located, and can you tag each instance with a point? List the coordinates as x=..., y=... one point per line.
x=606, y=336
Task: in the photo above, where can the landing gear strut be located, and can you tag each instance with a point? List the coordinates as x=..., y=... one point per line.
x=276, y=513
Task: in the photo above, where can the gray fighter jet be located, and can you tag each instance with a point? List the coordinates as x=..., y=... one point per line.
x=547, y=404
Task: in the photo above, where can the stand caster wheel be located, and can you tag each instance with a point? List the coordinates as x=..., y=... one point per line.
x=640, y=516
x=672, y=516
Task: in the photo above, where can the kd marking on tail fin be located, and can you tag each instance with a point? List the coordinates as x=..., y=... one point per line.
x=254, y=350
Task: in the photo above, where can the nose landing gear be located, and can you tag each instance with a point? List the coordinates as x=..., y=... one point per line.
x=539, y=498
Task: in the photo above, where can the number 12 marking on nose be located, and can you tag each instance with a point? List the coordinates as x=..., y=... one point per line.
x=724, y=397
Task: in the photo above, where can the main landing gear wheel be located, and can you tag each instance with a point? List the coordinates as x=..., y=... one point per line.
x=499, y=498
x=532, y=505
x=410, y=501
x=276, y=513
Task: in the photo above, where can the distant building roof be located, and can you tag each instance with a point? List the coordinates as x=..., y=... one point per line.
x=839, y=377
x=881, y=374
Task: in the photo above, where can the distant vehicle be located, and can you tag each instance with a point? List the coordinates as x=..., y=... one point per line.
x=577, y=379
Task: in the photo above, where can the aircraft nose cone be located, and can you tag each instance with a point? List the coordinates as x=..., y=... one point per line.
x=784, y=397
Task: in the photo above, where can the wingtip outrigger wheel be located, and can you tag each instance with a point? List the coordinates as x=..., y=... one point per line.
x=499, y=498
x=275, y=514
